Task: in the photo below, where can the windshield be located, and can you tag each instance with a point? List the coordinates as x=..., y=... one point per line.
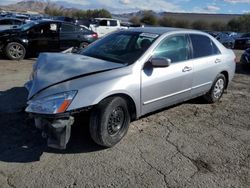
x=26, y=26
x=123, y=47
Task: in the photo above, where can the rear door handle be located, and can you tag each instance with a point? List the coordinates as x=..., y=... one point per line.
x=217, y=61
x=186, y=69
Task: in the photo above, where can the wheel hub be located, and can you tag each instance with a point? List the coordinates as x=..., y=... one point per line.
x=218, y=88
x=116, y=121
x=16, y=51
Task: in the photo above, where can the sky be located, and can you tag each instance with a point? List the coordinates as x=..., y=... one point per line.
x=121, y=6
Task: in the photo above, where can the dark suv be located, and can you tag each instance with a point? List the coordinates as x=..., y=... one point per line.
x=43, y=36
x=243, y=42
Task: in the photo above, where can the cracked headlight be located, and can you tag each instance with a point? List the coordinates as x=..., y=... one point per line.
x=53, y=104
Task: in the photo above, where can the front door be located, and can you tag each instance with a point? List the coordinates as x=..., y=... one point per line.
x=161, y=87
x=44, y=38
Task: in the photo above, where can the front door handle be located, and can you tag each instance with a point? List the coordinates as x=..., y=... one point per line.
x=186, y=69
x=217, y=60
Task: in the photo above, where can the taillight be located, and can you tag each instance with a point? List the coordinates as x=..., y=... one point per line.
x=95, y=35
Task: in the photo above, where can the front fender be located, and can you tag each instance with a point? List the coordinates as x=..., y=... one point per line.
x=94, y=88
x=93, y=94
x=22, y=41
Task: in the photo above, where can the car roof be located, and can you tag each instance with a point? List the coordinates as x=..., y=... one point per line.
x=53, y=21
x=104, y=19
x=158, y=30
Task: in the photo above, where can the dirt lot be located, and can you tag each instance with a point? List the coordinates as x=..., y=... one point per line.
x=189, y=145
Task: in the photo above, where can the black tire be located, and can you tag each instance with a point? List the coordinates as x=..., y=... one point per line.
x=217, y=89
x=109, y=121
x=15, y=51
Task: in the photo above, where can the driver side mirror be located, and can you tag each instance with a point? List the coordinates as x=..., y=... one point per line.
x=160, y=62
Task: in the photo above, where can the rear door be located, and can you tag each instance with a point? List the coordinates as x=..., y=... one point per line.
x=113, y=25
x=161, y=87
x=69, y=36
x=206, y=58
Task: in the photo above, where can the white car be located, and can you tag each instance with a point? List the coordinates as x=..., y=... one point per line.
x=104, y=26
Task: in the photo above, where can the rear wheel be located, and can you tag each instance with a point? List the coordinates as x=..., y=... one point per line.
x=15, y=51
x=109, y=121
x=216, y=90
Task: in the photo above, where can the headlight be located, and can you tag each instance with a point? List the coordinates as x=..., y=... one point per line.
x=53, y=104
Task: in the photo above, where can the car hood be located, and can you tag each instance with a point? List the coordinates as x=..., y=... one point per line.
x=55, y=68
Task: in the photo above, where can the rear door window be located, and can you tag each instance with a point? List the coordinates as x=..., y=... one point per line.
x=113, y=23
x=67, y=28
x=203, y=46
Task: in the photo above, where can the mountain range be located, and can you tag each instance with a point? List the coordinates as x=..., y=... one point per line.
x=39, y=6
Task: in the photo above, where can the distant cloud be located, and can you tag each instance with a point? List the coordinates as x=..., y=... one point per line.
x=237, y=1
x=159, y=5
x=246, y=11
x=212, y=8
x=125, y=2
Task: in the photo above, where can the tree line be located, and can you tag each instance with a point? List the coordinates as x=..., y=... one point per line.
x=240, y=24
x=76, y=13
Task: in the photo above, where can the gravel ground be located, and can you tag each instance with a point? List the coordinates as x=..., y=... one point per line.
x=189, y=145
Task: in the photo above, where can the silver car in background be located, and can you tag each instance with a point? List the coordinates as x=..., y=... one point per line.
x=124, y=76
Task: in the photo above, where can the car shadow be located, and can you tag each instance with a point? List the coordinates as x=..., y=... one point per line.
x=242, y=69
x=21, y=142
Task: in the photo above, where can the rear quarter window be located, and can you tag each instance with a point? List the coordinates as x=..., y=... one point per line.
x=203, y=46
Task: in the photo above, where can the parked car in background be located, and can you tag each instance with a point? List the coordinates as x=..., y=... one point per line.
x=104, y=26
x=43, y=36
x=245, y=57
x=124, y=76
x=224, y=38
x=243, y=42
x=8, y=23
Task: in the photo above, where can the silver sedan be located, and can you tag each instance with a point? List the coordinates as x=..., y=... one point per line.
x=124, y=76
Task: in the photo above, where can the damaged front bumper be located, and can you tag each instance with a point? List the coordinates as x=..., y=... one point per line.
x=57, y=128
x=57, y=131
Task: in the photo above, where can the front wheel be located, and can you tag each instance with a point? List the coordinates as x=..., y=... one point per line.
x=109, y=121
x=15, y=51
x=216, y=90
